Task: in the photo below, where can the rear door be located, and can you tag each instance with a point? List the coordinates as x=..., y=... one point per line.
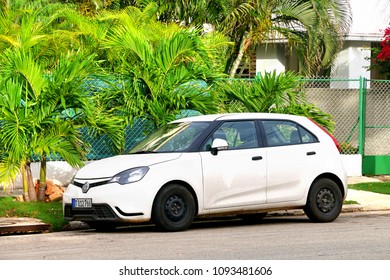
x=291, y=158
x=235, y=177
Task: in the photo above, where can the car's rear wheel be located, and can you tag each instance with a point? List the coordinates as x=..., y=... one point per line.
x=324, y=201
x=173, y=208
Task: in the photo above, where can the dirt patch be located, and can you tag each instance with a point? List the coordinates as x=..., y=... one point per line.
x=383, y=178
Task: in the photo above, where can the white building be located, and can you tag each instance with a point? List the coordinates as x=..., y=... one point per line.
x=370, y=18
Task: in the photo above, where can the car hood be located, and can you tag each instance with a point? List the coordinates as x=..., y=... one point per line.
x=111, y=166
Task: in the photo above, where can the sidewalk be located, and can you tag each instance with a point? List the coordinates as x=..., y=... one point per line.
x=367, y=201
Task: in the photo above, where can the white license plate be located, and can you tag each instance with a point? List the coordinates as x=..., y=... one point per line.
x=81, y=202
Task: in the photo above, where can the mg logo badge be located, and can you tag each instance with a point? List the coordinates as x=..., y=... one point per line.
x=85, y=187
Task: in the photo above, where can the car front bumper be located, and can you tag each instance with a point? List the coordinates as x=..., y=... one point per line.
x=110, y=202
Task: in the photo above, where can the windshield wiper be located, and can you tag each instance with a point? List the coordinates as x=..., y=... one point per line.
x=143, y=152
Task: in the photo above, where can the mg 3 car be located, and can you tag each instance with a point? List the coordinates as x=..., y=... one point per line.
x=243, y=164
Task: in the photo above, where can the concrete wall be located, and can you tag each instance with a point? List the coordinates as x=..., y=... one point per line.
x=270, y=58
x=352, y=62
x=56, y=170
x=352, y=165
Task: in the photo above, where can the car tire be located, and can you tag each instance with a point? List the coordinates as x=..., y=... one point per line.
x=253, y=218
x=173, y=208
x=324, y=201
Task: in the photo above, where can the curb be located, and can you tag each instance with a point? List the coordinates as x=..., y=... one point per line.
x=22, y=225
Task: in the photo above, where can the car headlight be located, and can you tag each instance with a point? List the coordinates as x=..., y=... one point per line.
x=72, y=180
x=130, y=176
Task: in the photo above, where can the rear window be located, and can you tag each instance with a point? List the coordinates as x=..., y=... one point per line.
x=282, y=132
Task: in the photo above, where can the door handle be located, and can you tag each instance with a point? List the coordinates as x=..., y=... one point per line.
x=257, y=158
x=311, y=153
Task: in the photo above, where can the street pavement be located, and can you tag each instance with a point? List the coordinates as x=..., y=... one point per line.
x=365, y=201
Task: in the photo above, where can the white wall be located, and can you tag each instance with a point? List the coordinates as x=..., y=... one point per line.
x=369, y=19
x=351, y=63
x=352, y=164
x=268, y=59
x=56, y=170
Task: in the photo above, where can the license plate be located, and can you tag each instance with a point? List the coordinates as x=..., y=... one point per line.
x=81, y=202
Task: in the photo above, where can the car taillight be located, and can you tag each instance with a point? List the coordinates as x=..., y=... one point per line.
x=330, y=135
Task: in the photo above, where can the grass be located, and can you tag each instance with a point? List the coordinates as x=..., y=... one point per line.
x=348, y=202
x=51, y=212
x=377, y=187
x=380, y=187
x=48, y=212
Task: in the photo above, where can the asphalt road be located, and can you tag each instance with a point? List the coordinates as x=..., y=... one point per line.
x=353, y=236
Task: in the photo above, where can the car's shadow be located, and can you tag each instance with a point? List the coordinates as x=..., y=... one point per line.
x=209, y=223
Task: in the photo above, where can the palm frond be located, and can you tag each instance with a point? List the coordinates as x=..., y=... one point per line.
x=20, y=66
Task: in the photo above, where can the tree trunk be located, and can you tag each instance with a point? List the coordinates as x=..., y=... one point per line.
x=42, y=179
x=31, y=188
x=244, y=44
x=26, y=197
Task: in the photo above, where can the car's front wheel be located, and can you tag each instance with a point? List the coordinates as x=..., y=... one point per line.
x=173, y=208
x=324, y=201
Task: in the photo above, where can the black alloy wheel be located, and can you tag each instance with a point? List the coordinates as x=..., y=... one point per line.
x=174, y=208
x=324, y=201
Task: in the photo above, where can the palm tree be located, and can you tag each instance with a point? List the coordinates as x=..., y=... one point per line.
x=159, y=64
x=271, y=92
x=13, y=126
x=314, y=28
x=50, y=86
x=41, y=115
x=23, y=31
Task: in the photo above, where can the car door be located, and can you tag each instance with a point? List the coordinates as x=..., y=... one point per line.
x=234, y=177
x=291, y=159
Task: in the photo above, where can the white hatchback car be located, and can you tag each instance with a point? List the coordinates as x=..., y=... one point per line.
x=244, y=164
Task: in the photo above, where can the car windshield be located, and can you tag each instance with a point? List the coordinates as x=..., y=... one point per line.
x=174, y=137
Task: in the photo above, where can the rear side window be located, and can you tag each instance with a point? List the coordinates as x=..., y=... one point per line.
x=281, y=132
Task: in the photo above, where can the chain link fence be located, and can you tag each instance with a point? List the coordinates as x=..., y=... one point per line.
x=377, y=118
x=100, y=146
x=339, y=97
x=360, y=109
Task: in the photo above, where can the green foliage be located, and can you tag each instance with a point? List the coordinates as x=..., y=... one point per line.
x=348, y=148
x=164, y=71
x=314, y=28
x=271, y=92
x=41, y=114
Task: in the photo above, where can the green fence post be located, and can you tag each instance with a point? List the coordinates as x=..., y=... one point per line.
x=362, y=113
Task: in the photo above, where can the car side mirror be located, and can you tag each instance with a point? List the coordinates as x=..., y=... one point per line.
x=218, y=145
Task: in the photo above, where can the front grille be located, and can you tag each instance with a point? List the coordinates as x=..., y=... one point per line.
x=97, y=212
x=91, y=185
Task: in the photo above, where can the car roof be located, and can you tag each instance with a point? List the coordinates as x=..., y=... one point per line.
x=237, y=116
